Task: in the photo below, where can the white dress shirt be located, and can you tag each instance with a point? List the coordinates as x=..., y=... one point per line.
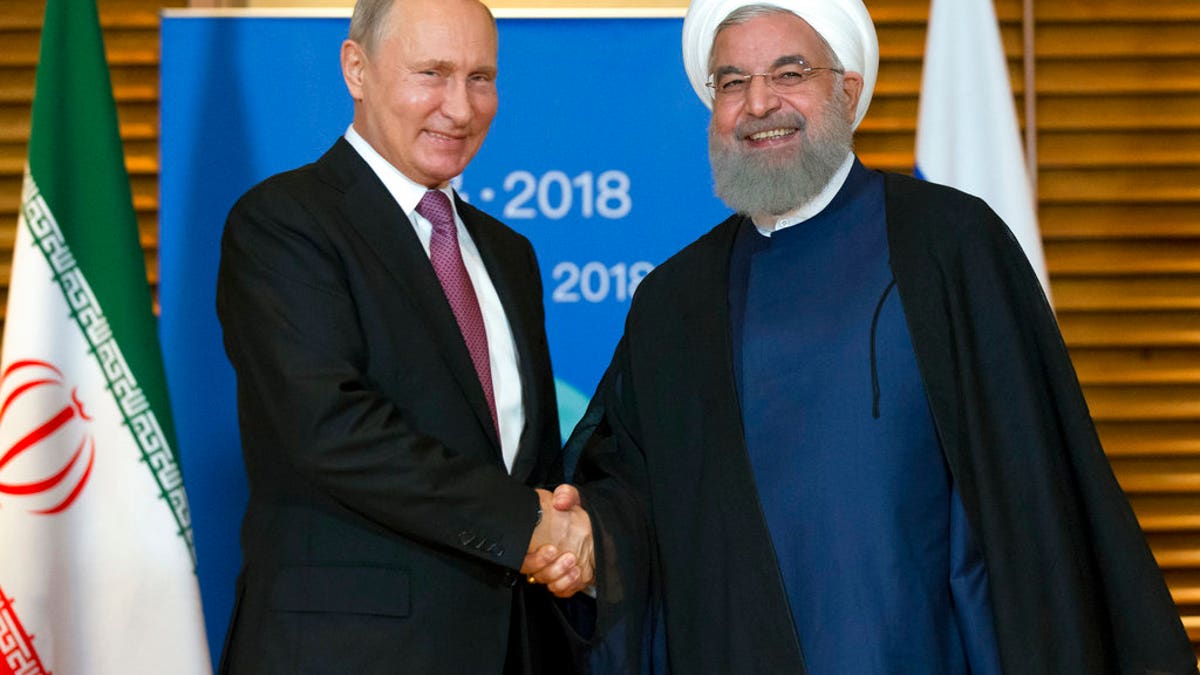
x=502, y=350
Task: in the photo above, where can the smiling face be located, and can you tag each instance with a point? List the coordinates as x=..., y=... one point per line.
x=425, y=97
x=772, y=152
x=764, y=119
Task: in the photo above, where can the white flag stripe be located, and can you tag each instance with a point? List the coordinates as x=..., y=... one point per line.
x=107, y=584
x=967, y=131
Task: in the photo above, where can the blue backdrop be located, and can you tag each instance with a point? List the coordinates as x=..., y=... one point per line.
x=597, y=155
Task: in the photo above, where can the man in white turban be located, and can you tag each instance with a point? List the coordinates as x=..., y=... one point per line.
x=841, y=434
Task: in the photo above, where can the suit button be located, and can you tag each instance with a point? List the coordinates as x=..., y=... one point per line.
x=465, y=538
x=510, y=578
x=499, y=552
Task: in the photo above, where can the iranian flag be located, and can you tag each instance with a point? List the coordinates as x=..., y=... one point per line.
x=97, y=570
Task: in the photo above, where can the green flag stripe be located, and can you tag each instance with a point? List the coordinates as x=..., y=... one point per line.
x=75, y=154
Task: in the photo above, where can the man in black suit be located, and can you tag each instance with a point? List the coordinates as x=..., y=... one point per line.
x=395, y=395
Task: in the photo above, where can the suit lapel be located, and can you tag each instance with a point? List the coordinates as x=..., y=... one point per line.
x=372, y=211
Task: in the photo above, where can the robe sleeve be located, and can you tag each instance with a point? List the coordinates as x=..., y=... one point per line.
x=611, y=476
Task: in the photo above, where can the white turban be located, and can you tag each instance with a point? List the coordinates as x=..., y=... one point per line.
x=844, y=24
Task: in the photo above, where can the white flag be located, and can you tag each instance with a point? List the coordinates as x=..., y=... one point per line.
x=967, y=133
x=97, y=574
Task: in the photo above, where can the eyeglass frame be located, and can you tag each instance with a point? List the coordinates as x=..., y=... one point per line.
x=808, y=71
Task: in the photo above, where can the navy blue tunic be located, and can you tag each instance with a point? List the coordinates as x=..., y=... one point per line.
x=881, y=570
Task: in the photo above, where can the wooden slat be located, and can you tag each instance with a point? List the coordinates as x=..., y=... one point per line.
x=901, y=41
x=1191, y=623
x=123, y=48
x=1119, y=77
x=1136, y=366
x=1173, y=110
x=16, y=85
x=1158, y=476
x=889, y=113
x=19, y=48
x=1116, y=11
x=1109, y=220
x=1133, y=184
x=14, y=125
x=1127, y=293
x=1131, y=329
x=1175, y=551
x=1147, y=403
x=130, y=78
x=1101, y=149
x=1117, y=257
x=1184, y=586
x=1149, y=440
x=1114, y=42
x=1167, y=514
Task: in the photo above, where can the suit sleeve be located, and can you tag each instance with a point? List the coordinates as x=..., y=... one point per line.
x=310, y=410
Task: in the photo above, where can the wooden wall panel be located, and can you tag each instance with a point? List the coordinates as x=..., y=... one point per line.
x=1119, y=166
x=1118, y=124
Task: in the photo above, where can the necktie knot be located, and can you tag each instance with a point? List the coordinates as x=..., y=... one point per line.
x=435, y=207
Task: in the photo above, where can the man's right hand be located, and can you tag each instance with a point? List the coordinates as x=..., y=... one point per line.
x=561, y=552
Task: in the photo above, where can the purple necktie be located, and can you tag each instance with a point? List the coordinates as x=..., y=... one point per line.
x=448, y=264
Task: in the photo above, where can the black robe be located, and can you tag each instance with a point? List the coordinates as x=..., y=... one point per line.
x=686, y=569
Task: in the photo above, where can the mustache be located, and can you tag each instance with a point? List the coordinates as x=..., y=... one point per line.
x=779, y=120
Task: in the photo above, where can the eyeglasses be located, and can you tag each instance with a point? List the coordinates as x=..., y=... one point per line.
x=784, y=79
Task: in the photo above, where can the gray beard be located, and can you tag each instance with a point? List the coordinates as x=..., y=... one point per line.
x=763, y=183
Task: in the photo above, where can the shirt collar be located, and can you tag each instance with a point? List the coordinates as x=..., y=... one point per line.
x=805, y=211
x=404, y=190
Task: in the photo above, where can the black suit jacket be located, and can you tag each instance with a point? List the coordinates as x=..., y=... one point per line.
x=383, y=532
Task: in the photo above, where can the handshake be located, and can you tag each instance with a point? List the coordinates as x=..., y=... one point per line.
x=561, y=552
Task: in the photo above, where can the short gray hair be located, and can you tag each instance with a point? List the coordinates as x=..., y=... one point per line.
x=367, y=24
x=746, y=13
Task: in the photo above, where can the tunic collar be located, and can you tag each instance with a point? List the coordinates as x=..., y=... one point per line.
x=764, y=224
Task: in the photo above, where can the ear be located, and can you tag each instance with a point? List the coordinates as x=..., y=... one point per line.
x=852, y=84
x=354, y=62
